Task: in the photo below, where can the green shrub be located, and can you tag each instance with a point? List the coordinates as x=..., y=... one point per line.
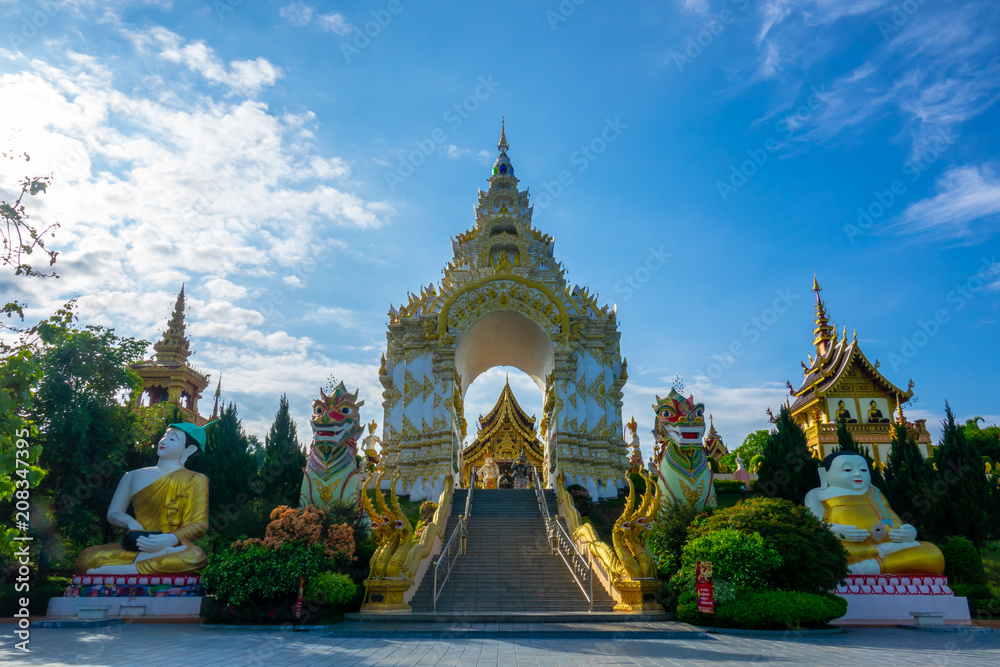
x=581, y=499
x=669, y=533
x=330, y=588
x=38, y=595
x=767, y=610
x=816, y=559
x=427, y=509
x=741, y=562
x=728, y=486
x=255, y=574
x=714, y=465
x=962, y=564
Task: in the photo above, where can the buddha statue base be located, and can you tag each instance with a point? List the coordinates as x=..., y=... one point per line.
x=637, y=595
x=386, y=596
x=131, y=596
x=890, y=599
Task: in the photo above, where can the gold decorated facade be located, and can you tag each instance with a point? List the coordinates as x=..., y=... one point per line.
x=503, y=433
x=841, y=384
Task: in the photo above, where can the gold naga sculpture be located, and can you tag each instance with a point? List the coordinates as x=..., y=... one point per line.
x=628, y=564
x=398, y=556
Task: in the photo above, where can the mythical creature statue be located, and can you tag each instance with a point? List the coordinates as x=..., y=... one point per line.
x=332, y=471
x=680, y=459
x=629, y=564
x=635, y=462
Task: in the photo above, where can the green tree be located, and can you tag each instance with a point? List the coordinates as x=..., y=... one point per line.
x=752, y=445
x=230, y=463
x=908, y=478
x=966, y=497
x=788, y=470
x=281, y=472
x=84, y=428
x=19, y=367
x=986, y=440
x=847, y=443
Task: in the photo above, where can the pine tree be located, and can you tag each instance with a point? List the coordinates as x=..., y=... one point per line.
x=965, y=496
x=909, y=482
x=788, y=470
x=281, y=472
x=229, y=461
x=847, y=443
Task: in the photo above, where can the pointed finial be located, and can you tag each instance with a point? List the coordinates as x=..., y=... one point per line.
x=218, y=393
x=502, y=146
x=816, y=287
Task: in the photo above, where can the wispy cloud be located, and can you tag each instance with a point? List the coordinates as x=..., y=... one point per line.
x=298, y=14
x=965, y=207
x=243, y=77
x=335, y=23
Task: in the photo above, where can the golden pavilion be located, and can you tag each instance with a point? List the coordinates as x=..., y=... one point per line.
x=168, y=377
x=841, y=384
x=503, y=433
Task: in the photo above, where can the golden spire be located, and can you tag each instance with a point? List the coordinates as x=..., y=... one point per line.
x=218, y=393
x=174, y=346
x=825, y=333
x=502, y=146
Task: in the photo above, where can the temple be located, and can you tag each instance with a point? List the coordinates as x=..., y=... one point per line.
x=714, y=447
x=842, y=385
x=505, y=432
x=503, y=301
x=168, y=377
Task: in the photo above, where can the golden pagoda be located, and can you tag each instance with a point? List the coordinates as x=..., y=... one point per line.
x=841, y=384
x=505, y=432
x=168, y=377
x=714, y=447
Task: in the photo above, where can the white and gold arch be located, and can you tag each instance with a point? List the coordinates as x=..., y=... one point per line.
x=503, y=301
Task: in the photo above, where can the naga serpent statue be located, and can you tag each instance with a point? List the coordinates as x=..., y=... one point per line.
x=332, y=471
x=629, y=565
x=680, y=460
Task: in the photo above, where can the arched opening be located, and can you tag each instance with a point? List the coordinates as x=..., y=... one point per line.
x=500, y=345
x=504, y=338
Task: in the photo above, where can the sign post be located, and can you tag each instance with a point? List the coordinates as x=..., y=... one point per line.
x=705, y=588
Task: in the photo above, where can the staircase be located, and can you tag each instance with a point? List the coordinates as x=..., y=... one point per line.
x=508, y=566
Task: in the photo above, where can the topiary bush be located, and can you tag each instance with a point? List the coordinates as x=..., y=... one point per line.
x=330, y=588
x=767, y=610
x=817, y=560
x=741, y=562
x=962, y=564
x=257, y=575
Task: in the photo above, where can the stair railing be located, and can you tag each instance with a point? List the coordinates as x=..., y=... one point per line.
x=561, y=543
x=452, y=550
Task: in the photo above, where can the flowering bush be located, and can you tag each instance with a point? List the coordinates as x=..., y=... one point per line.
x=305, y=525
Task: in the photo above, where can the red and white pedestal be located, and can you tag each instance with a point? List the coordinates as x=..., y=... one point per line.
x=891, y=599
x=97, y=596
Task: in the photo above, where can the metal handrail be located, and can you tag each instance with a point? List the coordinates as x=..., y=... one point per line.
x=446, y=555
x=561, y=543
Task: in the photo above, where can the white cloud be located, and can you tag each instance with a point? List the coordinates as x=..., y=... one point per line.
x=966, y=196
x=343, y=317
x=335, y=23
x=298, y=14
x=243, y=77
x=454, y=152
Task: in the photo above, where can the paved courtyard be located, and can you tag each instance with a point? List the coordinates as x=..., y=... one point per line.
x=147, y=644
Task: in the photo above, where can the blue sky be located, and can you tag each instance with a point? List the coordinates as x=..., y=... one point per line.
x=301, y=166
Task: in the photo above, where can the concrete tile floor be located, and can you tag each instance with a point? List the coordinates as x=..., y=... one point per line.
x=147, y=644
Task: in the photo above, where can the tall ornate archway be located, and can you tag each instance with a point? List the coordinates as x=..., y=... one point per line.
x=503, y=301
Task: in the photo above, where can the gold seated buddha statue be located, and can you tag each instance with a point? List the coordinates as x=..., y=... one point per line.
x=876, y=539
x=170, y=502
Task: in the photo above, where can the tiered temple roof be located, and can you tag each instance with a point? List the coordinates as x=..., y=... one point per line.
x=504, y=433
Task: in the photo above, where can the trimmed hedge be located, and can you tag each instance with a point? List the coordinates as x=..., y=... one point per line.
x=962, y=564
x=767, y=610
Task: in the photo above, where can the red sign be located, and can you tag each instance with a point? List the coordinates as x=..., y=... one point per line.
x=705, y=588
x=298, y=602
